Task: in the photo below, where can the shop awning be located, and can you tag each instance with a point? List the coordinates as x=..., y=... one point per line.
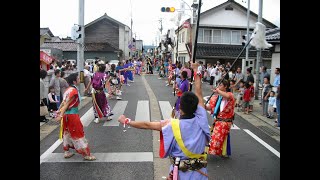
x=45, y=57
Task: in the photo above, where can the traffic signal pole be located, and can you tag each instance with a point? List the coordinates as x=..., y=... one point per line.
x=80, y=49
x=258, y=62
x=195, y=42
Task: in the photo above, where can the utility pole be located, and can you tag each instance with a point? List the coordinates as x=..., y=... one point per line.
x=194, y=50
x=248, y=29
x=160, y=30
x=131, y=30
x=131, y=39
x=80, y=49
x=177, y=43
x=258, y=64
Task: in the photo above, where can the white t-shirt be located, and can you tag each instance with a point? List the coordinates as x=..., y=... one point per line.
x=213, y=72
x=86, y=73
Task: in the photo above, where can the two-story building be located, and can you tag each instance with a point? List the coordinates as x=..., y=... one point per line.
x=105, y=38
x=220, y=36
x=273, y=37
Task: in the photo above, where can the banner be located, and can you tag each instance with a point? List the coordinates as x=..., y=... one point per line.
x=45, y=57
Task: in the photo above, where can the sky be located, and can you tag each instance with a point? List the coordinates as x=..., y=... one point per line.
x=61, y=15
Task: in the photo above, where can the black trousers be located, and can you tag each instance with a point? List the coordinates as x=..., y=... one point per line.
x=44, y=102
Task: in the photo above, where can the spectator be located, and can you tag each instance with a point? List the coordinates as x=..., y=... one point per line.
x=55, y=82
x=53, y=100
x=265, y=95
x=276, y=81
x=238, y=77
x=249, y=76
x=272, y=101
x=63, y=85
x=246, y=98
x=43, y=99
x=278, y=106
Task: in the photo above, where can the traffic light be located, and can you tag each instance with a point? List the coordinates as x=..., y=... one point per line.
x=168, y=9
x=76, y=32
x=244, y=40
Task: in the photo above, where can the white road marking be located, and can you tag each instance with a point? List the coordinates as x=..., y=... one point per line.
x=105, y=157
x=85, y=119
x=234, y=127
x=42, y=123
x=142, y=112
x=263, y=143
x=166, y=109
x=49, y=151
x=117, y=110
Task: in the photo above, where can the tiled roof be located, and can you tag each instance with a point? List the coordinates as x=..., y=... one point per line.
x=46, y=30
x=273, y=34
x=227, y=51
x=72, y=46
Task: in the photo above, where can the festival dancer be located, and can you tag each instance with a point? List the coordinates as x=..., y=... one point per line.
x=72, y=128
x=222, y=108
x=183, y=140
x=99, y=99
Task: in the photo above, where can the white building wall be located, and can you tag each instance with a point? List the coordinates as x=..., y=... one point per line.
x=227, y=18
x=122, y=38
x=275, y=63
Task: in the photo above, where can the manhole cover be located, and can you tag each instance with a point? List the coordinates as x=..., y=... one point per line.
x=269, y=131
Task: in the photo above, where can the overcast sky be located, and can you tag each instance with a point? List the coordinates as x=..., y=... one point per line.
x=61, y=15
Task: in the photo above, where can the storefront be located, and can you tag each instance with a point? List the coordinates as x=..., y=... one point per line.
x=45, y=61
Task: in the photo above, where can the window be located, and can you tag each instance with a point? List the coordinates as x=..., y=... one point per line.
x=235, y=37
x=183, y=37
x=207, y=36
x=226, y=37
x=180, y=38
x=200, y=35
x=182, y=59
x=217, y=36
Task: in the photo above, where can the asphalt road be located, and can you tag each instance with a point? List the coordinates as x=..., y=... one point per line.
x=128, y=155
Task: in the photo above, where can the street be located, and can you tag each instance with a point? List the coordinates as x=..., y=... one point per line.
x=131, y=155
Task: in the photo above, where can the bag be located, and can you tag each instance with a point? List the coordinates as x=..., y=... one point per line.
x=44, y=110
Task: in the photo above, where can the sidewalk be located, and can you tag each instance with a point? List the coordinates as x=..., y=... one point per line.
x=51, y=125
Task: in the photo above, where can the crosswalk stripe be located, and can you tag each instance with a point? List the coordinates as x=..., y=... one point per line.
x=87, y=117
x=166, y=109
x=142, y=112
x=105, y=157
x=234, y=127
x=117, y=110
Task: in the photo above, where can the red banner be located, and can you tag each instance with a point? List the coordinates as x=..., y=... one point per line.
x=45, y=57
